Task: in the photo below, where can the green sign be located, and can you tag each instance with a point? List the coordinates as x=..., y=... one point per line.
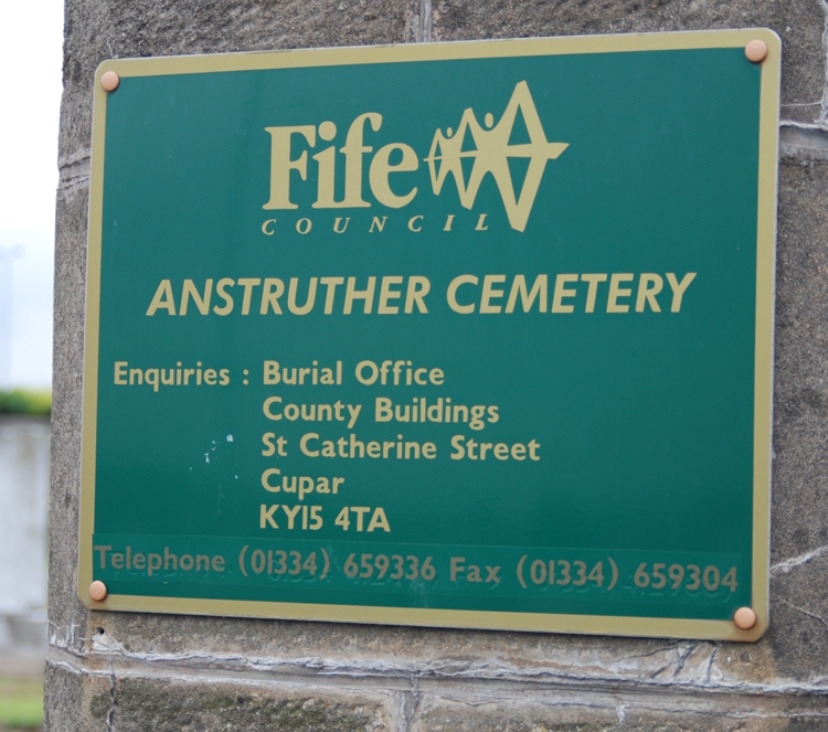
x=472, y=335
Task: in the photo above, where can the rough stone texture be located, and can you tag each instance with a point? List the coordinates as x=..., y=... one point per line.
x=66, y=614
x=96, y=31
x=122, y=671
x=63, y=687
x=136, y=705
x=605, y=712
x=800, y=23
x=800, y=482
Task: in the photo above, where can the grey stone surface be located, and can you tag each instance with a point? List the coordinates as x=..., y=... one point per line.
x=96, y=31
x=800, y=481
x=64, y=691
x=801, y=25
x=137, y=705
x=65, y=612
x=803, y=145
x=104, y=669
x=599, y=712
x=801, y=467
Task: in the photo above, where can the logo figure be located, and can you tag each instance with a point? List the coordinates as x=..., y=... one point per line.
x=490, y=152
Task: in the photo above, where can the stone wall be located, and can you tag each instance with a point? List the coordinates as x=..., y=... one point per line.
x=122, y=671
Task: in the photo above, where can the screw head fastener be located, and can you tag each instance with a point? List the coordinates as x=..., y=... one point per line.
x=756, y=51
x=110, y=81
x=744, y=618
x=97, y=591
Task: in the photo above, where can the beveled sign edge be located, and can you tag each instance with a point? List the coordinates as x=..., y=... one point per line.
x=763, y=356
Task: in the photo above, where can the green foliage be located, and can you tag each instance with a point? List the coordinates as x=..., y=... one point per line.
x=21, y=713
x=21, y=703
x=26, y=401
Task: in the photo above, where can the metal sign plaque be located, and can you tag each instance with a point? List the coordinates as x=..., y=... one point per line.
x=473, y=335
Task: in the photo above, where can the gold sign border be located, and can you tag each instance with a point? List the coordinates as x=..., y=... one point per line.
x=763, y=394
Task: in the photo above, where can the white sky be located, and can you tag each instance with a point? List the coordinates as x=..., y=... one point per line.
x=31, y=54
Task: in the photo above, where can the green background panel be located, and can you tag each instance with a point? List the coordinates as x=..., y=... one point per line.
x=645, y=420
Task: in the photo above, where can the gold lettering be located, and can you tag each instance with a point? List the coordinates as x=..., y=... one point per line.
x=163, y=299
x=649, y=285
x=190, y=291
x=592, y=289
x=616, y=291
x=490, y=292
x=281, y=163
x=451, y=294
x=538, y=291
x=381, y=168
x=561, y=292
x=679, y=289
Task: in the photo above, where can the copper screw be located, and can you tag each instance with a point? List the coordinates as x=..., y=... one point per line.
x=110, y=81
x=744, y=618
x=756, y=51
x=97, y=591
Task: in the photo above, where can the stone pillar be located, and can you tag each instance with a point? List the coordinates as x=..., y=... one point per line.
x=129, y=671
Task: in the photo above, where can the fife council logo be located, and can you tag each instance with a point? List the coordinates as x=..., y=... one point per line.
x=468, y=154
x=490, y=152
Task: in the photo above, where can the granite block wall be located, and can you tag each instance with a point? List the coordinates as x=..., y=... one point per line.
x=128, y=671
